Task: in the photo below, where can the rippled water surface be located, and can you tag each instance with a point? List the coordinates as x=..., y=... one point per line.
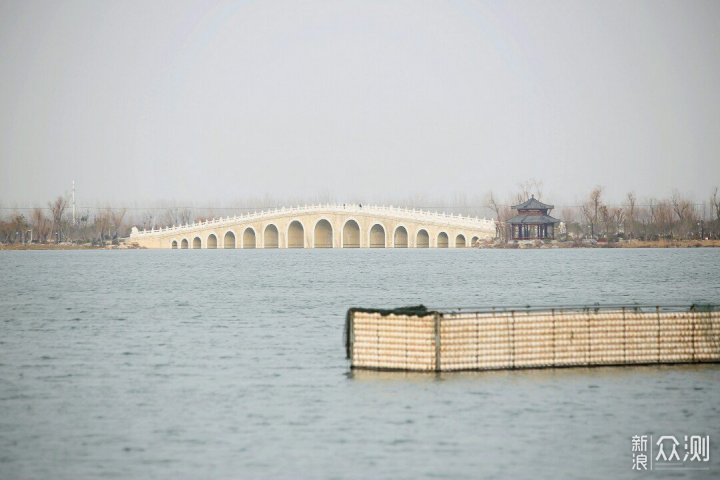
x=230, y=364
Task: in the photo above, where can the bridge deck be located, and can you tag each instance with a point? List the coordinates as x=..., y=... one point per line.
x=324, y=226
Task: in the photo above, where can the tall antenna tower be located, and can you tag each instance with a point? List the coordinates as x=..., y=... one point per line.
x=73, y=202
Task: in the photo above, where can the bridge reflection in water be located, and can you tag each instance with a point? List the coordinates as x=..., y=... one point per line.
x=324, y=226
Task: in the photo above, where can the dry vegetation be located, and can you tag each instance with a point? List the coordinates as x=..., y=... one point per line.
x=676, y=221
x=673, y=219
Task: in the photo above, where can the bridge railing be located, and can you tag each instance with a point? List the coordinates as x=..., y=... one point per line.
x=404, y=213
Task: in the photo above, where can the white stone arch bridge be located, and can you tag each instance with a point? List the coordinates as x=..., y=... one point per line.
x=324, y=226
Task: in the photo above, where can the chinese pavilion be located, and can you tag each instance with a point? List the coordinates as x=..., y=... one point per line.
x=532, y=221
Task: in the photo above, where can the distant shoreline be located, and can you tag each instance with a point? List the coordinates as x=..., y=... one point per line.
x=631, y=244
x=505, y=246
x=51, y=246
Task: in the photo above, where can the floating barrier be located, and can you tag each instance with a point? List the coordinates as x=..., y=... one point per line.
x=418, y=339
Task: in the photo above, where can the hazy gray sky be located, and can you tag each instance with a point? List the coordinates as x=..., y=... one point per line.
x=214, y=101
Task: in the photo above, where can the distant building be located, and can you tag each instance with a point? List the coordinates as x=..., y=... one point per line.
x=532, y=221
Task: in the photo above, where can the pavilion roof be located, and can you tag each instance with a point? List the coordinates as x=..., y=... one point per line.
x=532, y=204
x=532, y=220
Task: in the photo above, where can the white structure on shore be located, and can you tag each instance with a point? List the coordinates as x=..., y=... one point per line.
x=324, y=226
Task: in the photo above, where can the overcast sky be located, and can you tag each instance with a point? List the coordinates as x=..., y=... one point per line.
x=212, y=101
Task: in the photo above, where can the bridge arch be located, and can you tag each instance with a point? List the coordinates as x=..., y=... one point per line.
x=271, y=236
x=474, y=241
x=249, y=238
x=323, y=234
x=347, y=232
x=422, y=239
x=351, y=234
x=400, y=237
x=295, y=234
x=212, y=241
x=377, y=236
x=184, y=243
x=197, y=243
x=442, y=240
x=229, y=239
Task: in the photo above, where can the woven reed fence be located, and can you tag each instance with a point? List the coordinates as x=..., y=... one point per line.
x=422, y=340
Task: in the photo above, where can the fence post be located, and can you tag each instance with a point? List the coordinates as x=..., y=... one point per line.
x=589, y=340
x=350, y=335
x=624, y=322
x=692, y=319
x=554, y=340
x=657, y=312
x=437, y=343
x=512, y=337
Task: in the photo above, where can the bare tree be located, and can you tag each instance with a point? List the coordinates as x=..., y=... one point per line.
x=117, y=217
x=606, y=219
x=527, y=189
x=148, y=219
x=642, y=220
x=41, y=225
x=591, y=209
x=7, y=231
x=685, y=212
x=681, y=205
x=663, y=217
x=524, y=192
x=630, y=200
x=497, y=211
x=171, y=217
x=101, y=224
x=655, y=208
x=618, y=215
x=18, y=228
x=185, y=215
x=57, y=208
x=715, y=210
x=537, y=184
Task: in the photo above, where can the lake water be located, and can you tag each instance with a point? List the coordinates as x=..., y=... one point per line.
x=230, y=364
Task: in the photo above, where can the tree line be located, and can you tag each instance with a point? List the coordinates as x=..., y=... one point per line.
x=677, y=217
x=55, y=224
